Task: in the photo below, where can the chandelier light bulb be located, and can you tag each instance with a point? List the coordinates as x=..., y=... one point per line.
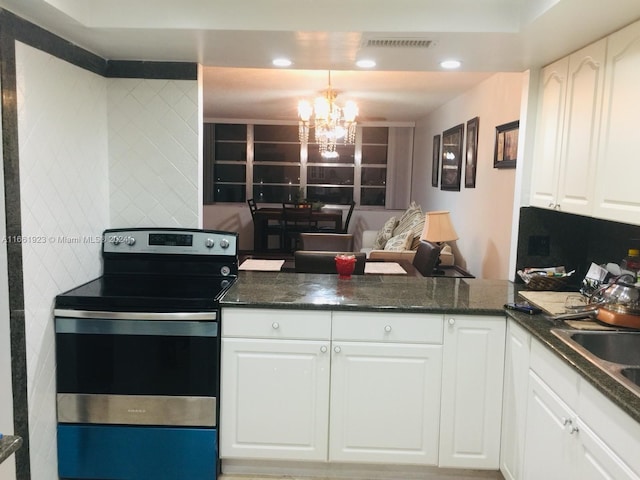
x=304, y=110
x=330, y=122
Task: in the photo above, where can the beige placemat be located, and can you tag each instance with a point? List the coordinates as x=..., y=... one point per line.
x=587, y=325
x=384, y=268
x=261, y=265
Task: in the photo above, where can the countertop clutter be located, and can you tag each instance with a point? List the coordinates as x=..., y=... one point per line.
x=8, y=445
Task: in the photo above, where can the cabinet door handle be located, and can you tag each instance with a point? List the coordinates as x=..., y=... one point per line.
x=387, y=328
x=573, y=429
x=275, y=325
x=452, y=321
x=323, y=349
x=565, y=421
x=337, y=349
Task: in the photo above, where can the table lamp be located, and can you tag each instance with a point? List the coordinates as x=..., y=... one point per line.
x=438, y=229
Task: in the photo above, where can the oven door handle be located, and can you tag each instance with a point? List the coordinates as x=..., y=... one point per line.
x=93, y=326
x=200, y=316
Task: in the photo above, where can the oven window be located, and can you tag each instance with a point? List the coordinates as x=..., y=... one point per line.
x=137, y=364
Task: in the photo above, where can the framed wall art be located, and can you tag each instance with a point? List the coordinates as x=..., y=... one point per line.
x=450, y=170
x=435, y=161
x=471, y=157
x=506, y=149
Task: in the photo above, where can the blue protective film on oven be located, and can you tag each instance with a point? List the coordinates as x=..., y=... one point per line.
x=136, y=453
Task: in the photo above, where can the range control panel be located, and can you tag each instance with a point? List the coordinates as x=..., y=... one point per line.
x=170, y=241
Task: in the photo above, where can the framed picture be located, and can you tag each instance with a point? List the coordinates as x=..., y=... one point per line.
x=451, y=158
x=471, y=157
x=506, y=149
x=435, y=162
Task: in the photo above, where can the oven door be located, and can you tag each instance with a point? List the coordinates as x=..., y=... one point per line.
x=137, y=368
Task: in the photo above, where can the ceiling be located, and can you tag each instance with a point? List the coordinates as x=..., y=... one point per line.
x=236, y=40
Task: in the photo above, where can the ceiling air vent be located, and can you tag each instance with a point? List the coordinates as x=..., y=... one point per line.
x=398, y=42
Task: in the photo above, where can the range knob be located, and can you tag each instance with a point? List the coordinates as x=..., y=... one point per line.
x=224, y=243
x=209, y=243
x=131, y=241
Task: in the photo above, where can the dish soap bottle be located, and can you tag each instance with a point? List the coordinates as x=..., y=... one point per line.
x=631, y=262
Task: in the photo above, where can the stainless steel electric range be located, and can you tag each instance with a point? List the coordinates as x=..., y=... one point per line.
x=138, y=355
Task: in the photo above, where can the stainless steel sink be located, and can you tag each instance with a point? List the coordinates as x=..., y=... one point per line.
x=615, y=352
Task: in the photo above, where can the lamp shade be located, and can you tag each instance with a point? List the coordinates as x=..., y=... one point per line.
x=438, y=228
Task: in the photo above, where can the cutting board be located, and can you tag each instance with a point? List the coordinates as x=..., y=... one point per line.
x=552, y=303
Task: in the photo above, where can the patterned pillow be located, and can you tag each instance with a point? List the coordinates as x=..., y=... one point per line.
x=409, y=218
x=385, y=233
x=417, y=229
x=400, y=242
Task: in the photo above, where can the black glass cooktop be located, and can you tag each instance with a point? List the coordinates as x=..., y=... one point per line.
x=141, y=293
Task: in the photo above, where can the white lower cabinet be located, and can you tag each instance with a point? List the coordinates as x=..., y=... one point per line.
x=471, y=407
x=275, y=400
x=559, y=443
x=514, y=400
x=550, y=449
x=275, y=384
x=385, y=401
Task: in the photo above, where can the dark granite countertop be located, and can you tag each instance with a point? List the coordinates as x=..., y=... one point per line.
x=410, y=294
x=8, y=445
x=369, y=292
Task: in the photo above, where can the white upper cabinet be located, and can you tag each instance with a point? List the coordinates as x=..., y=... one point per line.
x=581, y=126
x=549, y=134
x=567, y=132
x=617, y=196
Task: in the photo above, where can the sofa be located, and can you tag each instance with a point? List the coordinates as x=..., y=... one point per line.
x=399, y=238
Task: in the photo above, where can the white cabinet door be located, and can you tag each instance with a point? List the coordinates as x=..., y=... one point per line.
x=385, y=402
x=550, y=447
x=274, y=399
x=514, y=403
x=471, y=410
x=579, y=154
x=618, y=170
x=597, y=461
x=546, y=160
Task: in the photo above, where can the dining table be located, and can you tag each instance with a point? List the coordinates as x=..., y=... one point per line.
x=330, y=216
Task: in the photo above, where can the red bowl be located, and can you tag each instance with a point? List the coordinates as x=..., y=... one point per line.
x=345, y=264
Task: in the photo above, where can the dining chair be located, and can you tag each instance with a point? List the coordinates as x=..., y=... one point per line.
x=317, y=241
x=426, y=258
x=270, y=229
x=345, y=227
x=296, y=218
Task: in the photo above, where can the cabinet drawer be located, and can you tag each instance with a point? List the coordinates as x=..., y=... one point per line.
x=268, y=323
x=387, y=327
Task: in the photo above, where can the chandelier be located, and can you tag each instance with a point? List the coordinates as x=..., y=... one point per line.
x=332, y=124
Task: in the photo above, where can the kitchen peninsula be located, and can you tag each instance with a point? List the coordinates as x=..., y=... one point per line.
x=403, y=376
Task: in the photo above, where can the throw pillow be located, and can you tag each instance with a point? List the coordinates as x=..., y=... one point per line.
x=385, y=233
x=400, y=242
x=409, y=218
x=417, y=229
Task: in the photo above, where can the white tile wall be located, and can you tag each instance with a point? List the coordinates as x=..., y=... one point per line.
x=153, y=152
x=62, y=123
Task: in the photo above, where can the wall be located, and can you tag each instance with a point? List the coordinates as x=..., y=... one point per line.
x=482, y=216
x=153, y=153
x=62, y=124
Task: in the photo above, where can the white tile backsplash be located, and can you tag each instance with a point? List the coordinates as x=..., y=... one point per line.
x=64, y=183
x=153, y=152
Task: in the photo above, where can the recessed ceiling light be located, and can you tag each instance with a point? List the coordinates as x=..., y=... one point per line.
x=366, y=63
x=282, y=62
x=450, y=64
